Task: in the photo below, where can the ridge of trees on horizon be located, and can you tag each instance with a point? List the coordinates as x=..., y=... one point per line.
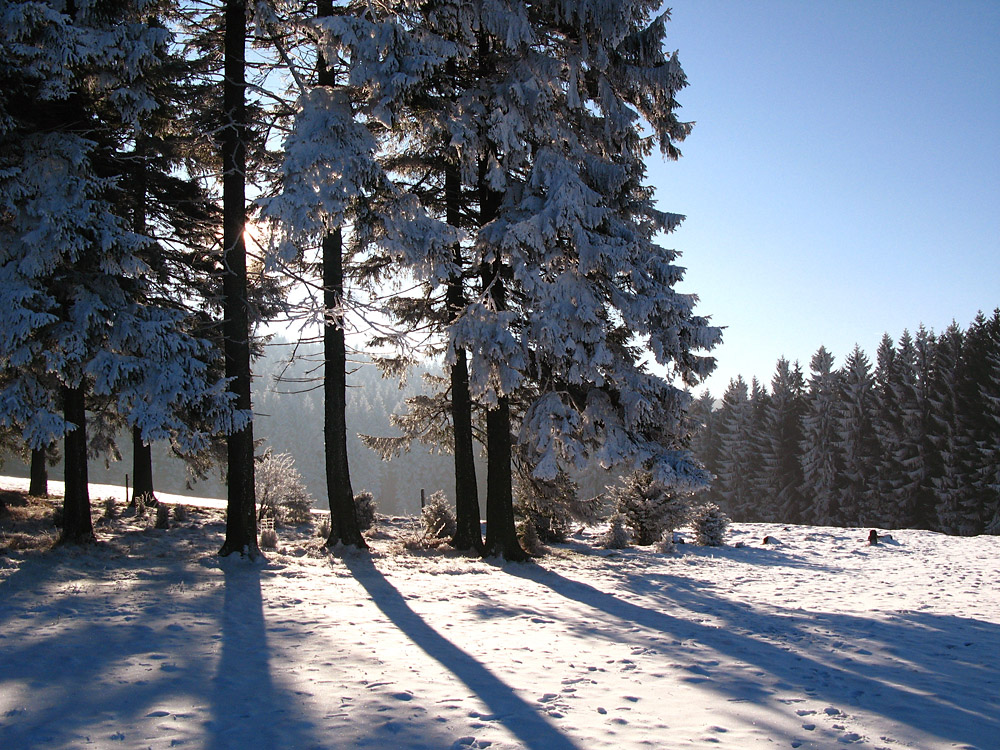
x=469, y=179
x=911, y=442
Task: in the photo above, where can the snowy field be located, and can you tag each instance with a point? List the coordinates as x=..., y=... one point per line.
x=149, y=640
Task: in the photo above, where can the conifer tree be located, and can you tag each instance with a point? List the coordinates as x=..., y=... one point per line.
x=760, y=401
x=241, y=517
x=980, y=394
x=544, y=105
x=957, y=503
x=857, y=441
x=704, y=433
x=820, y=458
x=75, y=284
x=734, y=484
x=782, y=432
x=887, y=427
x=908, y=481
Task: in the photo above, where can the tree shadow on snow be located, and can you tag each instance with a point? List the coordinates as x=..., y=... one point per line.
x=517, y=715
x=87, y=661
x=108, y=653
x=247, y=709
x=947, y=690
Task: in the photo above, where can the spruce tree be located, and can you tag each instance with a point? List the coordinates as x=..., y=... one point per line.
x=820, y=458
x=888, y=426
x=980, y=398
x=76, y=299
x=734, y=484
x=780, y=450
x=241, y=518
x=957, y=510
x=857, y=441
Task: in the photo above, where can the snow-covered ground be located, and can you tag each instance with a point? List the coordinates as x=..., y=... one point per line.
x=815, y=641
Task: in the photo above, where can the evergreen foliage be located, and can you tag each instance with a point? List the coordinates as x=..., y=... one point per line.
x=913, y=443
x=364, y=502
x=735, y=465
x=437, y=517
x=648, y=508
x=710, y=524
x=617, y=535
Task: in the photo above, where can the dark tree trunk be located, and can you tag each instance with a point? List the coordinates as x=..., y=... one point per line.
x=142, y=454
x=344, y=527
x=77, y=525
x=241, y=520
x=142, y=470
x=501, y=535
x=39, y=484
x=468, y=535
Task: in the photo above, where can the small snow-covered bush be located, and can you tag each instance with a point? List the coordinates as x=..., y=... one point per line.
x=110, y=509
x=648, y=508
x=180, y=513
x=364, y=504
x=281, y=494
x=437, y=519
x=324, y=528
x=527, y=535
x=666, y=544
x=162, y=516
x=710, y=525
x=268, y=538
x=617, y=536
x=140, y=505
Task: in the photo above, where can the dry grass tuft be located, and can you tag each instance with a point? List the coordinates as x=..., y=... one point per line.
x=26, y=522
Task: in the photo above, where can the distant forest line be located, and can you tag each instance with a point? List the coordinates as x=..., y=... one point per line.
x=911, y=441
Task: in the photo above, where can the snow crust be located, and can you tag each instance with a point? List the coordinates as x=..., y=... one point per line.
x=811, y=640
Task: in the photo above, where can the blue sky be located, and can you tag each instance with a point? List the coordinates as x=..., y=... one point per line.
x=843, y=177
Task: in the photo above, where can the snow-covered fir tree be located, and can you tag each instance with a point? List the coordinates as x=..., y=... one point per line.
x=820, y=457
x=912, y=476
x=781, y=468
x=74, y=305
x=543, y=123
x=857, y=441
x=980, y=392
x=951, y=435
x=760, y=401
x=734, y=483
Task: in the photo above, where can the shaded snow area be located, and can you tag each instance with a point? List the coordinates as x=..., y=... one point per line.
x=815, y=640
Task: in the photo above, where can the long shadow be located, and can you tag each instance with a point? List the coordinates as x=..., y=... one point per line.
x=920, y=698
x=520, y=717
x=65, y=670
x=247, y=709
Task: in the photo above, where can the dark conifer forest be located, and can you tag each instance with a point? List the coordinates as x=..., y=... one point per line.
x=911, y=440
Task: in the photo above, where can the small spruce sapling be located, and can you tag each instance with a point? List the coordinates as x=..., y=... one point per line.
x=527, y=535
x=268, y=538
x=617, y=536
x=162, y=516
x=648, y=508
x=710, y=525
x=364, y=503
x=323, y=531
x=666, y=544
x=437, y=519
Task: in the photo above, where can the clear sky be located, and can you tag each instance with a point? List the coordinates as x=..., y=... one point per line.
x=843, y=176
